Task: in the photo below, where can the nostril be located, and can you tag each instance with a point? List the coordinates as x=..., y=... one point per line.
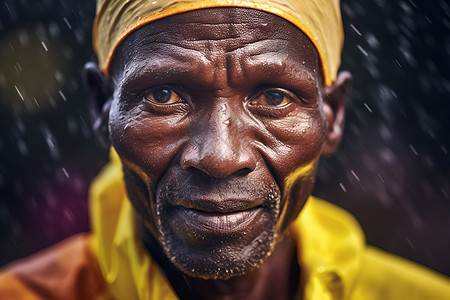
x=198, y=172
x=242, y=172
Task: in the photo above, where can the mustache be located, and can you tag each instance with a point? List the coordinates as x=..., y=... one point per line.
x=241, y=191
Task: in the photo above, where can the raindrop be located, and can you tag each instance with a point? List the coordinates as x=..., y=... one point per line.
x=410, y=244
x=413, y=149
x=429, y=161
x=362, y=50
x=54, y=30
x=62, y=95
x=412, y=3
x=18, y=92
x=393, y=94
x=50, y=140
x=368, y=108
x=397, y=63
x=58, y=76
x=67, y=23
x=68, y=215
x=7, y=7
x=23, y=149
x=18, y=67
x=372, y=41
x=406, y=8
x=356, y=30
x=385, y=133
x=23, y=37
x=342, y=187
x=52, y=102
x=44, y=46
x=354, y=175
x=20, y=125
x=35, y=101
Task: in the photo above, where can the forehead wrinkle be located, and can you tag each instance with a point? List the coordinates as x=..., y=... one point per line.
x=230, y=51
x=163, y=61
x=239, y=57
x=264, y=57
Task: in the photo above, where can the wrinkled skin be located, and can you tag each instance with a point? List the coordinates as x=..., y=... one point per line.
x=219, y=117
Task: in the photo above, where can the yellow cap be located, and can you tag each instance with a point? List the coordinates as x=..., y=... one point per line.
x=320, y=20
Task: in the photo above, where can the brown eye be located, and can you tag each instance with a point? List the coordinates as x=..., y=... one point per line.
x=163, y=96
x=271, y=98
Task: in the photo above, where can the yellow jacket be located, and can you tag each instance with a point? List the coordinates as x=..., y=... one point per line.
x=111, y=262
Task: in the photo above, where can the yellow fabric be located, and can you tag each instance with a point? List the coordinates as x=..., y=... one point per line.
x=330, y=247
x=320, y=20
x=127, y=268
x=403, y=279
x=334, y=260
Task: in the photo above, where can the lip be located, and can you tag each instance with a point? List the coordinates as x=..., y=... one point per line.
x=218, y=206
x=222, y=221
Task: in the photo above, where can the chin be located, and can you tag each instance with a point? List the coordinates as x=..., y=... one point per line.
x=220, y=261
x=218, y=245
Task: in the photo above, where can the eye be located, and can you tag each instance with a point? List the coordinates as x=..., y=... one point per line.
x=271, y=98
x=163, y=96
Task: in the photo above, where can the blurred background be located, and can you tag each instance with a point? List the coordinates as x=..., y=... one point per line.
x=392, y=170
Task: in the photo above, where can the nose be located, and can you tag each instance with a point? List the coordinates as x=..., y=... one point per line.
x=220, y=146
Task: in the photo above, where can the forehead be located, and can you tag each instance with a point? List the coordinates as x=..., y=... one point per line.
x=222, y=36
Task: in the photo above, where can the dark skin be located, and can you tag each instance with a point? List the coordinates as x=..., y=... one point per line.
x=219, y=117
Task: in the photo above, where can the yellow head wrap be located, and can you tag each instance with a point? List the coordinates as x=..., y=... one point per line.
x=320, y=20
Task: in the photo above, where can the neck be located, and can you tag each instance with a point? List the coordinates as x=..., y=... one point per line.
x=282, y=266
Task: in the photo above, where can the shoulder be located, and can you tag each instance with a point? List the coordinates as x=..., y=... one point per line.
x=333, y=222
x=387, y=276
x=66, y=270
x=332, y=237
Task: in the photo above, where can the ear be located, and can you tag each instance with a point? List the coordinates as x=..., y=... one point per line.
x=100, y=90
x=334, y=109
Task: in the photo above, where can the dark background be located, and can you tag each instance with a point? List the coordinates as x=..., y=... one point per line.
x=392, y=171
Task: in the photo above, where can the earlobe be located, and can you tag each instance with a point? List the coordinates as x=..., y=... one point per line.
x=100, y=91
x=335, y=97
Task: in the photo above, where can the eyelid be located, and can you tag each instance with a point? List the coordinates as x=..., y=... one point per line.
x=273, y=111
x=285, y=92
x=174, y=89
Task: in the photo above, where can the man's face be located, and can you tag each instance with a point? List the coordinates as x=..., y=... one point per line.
x=218, y=119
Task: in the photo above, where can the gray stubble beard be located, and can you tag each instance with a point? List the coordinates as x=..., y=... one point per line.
x=222, y=261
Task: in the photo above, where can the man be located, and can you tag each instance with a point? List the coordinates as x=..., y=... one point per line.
x=217, y=113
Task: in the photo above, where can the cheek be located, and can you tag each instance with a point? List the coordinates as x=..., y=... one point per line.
x=146, y=143
x=299, y=144
x=296, y=141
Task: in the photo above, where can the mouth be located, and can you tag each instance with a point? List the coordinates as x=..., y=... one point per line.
x=223, y=221
x=217, y=217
